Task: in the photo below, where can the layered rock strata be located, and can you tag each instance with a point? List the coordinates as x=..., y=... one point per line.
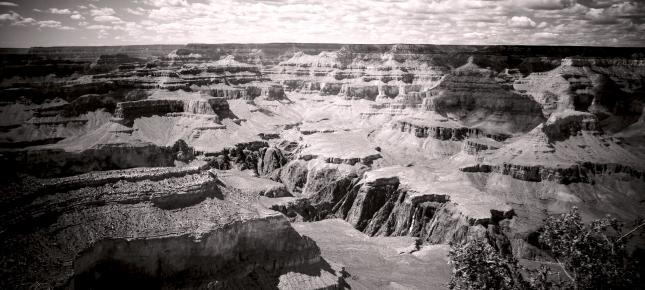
x=186, y=229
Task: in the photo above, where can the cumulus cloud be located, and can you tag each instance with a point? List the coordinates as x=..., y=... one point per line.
x=16, y=19
x=59, y=11
x=599, y=3
x=8, y=4
x=166, y=3
x=108, y=18
x=98, y=27
x=547, y=4
x=50, y=23
x=106, y=11
x=137, y=11
x=626, y=11
x=521, y=22
x=574, y=22
x=545, y=35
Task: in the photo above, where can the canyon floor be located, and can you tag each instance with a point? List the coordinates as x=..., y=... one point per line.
x=305, y=166
x=379, y=262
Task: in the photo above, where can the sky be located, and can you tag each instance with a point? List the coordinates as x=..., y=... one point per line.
x=120, y=22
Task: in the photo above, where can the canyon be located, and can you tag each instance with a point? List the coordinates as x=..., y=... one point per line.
x=304, y=166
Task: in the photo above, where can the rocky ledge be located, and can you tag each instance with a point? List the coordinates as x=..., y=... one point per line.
x=187, y=230
x=343, y=147
x=161, y=104
x=443, y=129
x=568, y=148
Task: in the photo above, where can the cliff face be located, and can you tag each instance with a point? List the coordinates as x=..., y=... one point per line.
x=193, y=225
x=379, y=203
x=56, y=162
x=609, y=88
x=422, y=129
x=568, y=148
x=129, y=111
x=472, y=95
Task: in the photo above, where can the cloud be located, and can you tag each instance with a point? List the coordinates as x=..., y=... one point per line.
x=474, y=35
x=49, y=23
x=573, y=22
x=599, y=3
x=8, y=4
x=521, y=22
x=108, y=18
x=53, y=24
x=16, y=19
x=545, y=35
x=166, y=3
x=137, y=11
x=626, y=11
x=106, y=11
x=99, y=27
x=547, y=4
x=59, y=11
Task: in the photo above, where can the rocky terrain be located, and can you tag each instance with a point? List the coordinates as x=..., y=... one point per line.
x=240, y=166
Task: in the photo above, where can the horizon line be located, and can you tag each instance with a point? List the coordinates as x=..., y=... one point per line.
x=327, y=43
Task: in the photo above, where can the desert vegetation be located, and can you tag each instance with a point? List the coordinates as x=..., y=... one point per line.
x=591, y=255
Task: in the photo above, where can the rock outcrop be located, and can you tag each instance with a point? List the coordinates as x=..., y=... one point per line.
x=473, y=96
x=128, y=111
x=196, y=233
x=378, y=203
x=568, y=148
x=57, y=162
x=445, y=130
x=271, y=158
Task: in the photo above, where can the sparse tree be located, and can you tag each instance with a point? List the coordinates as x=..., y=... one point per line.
x=591, y=256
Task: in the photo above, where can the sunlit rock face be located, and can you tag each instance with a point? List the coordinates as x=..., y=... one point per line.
x=185, y=166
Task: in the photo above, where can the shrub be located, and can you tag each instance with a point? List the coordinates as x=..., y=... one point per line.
x=477, y=265
x=592, y=256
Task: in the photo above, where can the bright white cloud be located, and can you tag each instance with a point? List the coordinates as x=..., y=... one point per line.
x=576, y=22
x=108, y=18
x=545, y=35
x=166, y=3
x=8, y=4
x=106, y=11
x=59, y=11
x=49, y=23
x=16, y=19
x=521, y=22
